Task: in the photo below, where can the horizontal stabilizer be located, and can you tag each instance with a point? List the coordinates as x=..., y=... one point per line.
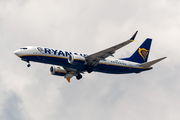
x=148, y=64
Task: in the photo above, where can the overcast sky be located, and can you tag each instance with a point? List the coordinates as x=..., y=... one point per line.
x=88, y=26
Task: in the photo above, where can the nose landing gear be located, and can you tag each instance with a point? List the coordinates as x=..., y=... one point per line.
x=28, y=65
x=26, y=60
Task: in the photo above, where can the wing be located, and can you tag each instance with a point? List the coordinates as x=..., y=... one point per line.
x=94, y=59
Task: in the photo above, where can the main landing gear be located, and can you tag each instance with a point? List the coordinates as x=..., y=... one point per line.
x=79, y=76
x=89, y=70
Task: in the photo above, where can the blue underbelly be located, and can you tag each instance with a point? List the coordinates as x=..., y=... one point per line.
x=104, y=68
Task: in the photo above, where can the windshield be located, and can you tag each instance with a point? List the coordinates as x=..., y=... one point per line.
x=24, y=48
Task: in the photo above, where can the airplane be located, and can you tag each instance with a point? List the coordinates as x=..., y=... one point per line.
x=69, y=64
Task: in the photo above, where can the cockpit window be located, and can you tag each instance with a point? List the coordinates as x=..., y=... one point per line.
x=24, y=48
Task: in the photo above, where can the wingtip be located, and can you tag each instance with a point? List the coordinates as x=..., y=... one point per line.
x=133, y=37
x=164, y=57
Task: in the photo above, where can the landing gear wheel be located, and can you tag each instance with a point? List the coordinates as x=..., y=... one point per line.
x=28, y=65
x=89, y=70
x=79, y=76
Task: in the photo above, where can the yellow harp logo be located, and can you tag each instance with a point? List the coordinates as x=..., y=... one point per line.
x=143, y=52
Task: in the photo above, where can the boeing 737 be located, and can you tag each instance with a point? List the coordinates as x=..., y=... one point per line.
x=69, y=64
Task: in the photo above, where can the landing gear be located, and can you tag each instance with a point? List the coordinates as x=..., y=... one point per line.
x=26, y=60
x=89, y=70
x=28, y=65
x=79, y=76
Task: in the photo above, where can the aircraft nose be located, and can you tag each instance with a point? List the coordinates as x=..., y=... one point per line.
x=17, y=52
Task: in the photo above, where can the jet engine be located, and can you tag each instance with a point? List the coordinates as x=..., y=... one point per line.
x=58, y=70
x=76, y=59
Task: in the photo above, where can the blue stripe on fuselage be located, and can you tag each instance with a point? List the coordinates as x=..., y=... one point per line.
x=102, y=67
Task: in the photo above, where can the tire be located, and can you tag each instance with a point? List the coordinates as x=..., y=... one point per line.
x=79, y=76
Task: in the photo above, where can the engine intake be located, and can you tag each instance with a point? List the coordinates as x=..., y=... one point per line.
x=76, y=59
x=58, y=70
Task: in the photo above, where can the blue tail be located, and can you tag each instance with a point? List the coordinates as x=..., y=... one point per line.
x=142, y=53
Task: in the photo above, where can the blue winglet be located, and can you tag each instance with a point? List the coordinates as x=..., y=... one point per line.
x=133, y=37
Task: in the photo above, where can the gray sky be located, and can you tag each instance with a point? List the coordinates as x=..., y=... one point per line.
x=87, y=27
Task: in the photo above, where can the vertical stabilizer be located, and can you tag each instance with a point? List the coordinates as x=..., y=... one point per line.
x=142, y=53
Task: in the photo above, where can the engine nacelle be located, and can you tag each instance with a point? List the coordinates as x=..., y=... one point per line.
x=76, y=59
x=58, y=70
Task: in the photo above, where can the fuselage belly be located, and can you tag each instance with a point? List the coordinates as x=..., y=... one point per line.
x=101, y=67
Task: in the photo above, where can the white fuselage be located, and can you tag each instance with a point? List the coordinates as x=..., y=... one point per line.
x=58, y=57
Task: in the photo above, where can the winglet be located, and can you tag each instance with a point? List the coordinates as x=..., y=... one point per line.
x=68, y=79
x=133, y=37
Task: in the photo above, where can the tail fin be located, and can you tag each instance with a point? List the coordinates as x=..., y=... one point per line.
x=142, y=53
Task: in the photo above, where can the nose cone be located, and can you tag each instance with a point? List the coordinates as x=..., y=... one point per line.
x=17, y=52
